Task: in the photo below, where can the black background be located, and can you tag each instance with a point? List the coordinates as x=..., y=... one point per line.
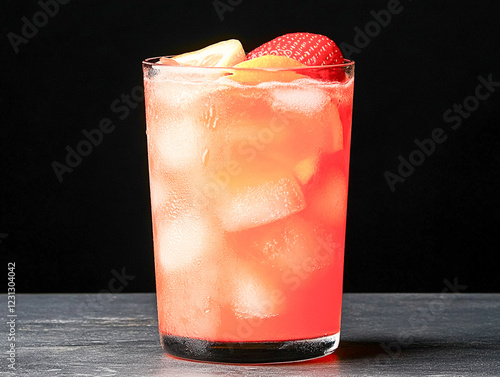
x=441, y=223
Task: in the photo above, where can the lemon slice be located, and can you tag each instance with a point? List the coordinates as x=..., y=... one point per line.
x=221, y=54
x=265, y=70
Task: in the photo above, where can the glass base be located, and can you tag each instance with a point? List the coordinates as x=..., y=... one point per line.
x=249, y=352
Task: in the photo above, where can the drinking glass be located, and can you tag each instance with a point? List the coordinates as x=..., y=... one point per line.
x=248, y=177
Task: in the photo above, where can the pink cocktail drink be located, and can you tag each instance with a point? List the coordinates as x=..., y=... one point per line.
x=249, y=196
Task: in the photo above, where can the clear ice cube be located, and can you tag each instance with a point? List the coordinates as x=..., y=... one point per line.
x=183, y=240
x=303, y=100
x=255, y=296
x=251, y=206
x=179, y=146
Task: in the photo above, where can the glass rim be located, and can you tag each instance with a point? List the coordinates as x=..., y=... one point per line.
x=152, y=62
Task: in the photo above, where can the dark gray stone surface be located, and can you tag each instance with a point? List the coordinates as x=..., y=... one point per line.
x=382, y=335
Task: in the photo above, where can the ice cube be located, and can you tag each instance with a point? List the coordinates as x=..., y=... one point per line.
x=255, y=295
x=290, y=243
x=169, y=102
x=180, y=145
x=189, y=302
x=184, y=240
x=293, y=244
x=303, y=100
x=251, y=206
x=161, y=191
x=315, y=117
x=169, y=196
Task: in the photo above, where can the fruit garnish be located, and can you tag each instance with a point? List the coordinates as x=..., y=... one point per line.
x=221, y=54
x=307, y=48
x=263, y=70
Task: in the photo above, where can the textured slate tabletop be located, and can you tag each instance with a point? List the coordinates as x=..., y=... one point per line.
x=382, y=335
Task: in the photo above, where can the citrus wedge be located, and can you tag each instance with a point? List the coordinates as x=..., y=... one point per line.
x=221, y=54
x=266, y=70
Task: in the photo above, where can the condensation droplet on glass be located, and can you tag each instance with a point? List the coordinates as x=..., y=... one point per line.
x=213, y=118
x=204, y=157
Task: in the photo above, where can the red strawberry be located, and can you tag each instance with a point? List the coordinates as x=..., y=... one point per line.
x=307, y=48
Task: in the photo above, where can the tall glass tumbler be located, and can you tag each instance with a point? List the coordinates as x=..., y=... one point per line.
x=248, y=176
